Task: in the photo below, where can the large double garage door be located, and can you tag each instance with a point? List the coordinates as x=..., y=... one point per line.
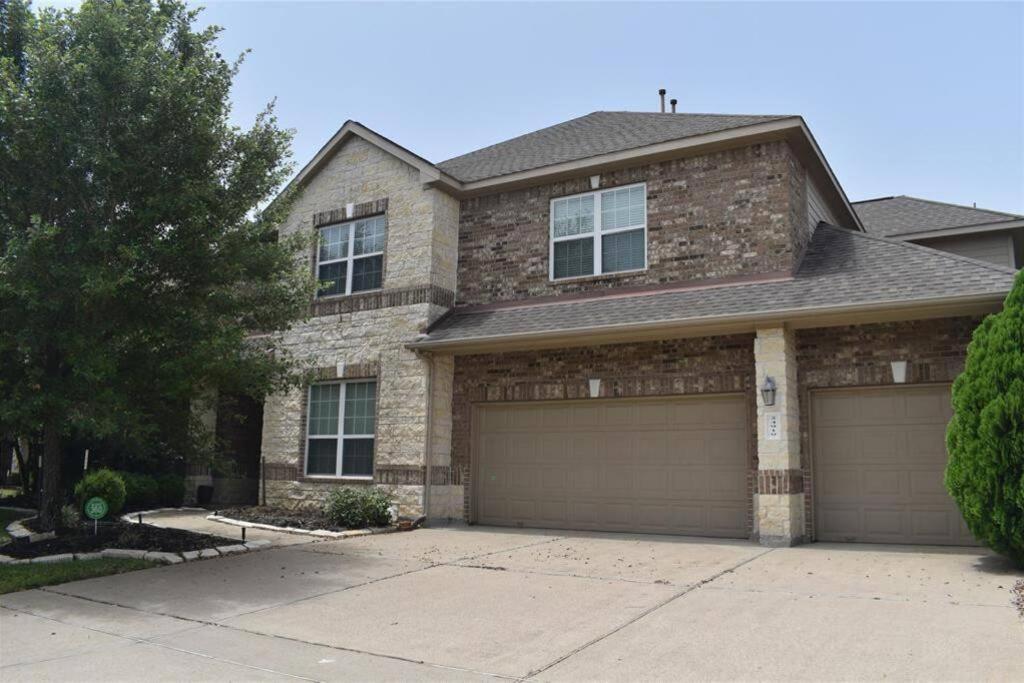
x=879, y=456
x=667, y=465
x=679, y=465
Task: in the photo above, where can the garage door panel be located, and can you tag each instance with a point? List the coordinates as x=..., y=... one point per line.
x=884, y=523
x=879, y=466
x=666, y=466
x=883, y=484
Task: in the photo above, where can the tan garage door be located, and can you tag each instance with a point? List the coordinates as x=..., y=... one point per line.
x=879, y=459
x=673, y=465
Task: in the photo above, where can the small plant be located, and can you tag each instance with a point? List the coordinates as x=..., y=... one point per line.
x=358, y=508
x=172, y=489
x=70, y=517
x=105, y=484
x=142, y=490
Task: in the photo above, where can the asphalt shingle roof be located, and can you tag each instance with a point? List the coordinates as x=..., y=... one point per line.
x=841, y=267
x=600, y=132
x=907, y=215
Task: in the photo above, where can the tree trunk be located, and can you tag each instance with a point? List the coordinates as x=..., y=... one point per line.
x=50, y=499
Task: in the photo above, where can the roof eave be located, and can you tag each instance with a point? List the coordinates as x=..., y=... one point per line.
x=797, y=318
x=998, y=226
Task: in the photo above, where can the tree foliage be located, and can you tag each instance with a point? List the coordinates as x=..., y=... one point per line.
x=985, y=474
x=134, y=267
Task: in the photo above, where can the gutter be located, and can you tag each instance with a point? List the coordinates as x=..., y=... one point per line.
x=776, y=315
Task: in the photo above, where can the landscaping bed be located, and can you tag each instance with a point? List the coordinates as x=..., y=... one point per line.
x=308, y=520
x=116, y=535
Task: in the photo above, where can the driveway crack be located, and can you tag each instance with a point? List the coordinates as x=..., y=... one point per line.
x=644, y=613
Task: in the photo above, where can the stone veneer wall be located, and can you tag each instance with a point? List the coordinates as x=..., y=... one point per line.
x=859, y=355
x=706, y=365
x=367, y=332
x=731, y=213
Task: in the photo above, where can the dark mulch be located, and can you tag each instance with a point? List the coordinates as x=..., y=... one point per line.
x=293, y=519
x=117, y=535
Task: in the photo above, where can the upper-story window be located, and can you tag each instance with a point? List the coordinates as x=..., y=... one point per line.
x=599, y=232
x=350, y=257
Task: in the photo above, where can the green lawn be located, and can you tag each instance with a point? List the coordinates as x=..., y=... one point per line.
x=21, y=577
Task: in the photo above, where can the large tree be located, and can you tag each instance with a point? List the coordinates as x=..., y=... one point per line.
x=985, y=474
x=134, y=266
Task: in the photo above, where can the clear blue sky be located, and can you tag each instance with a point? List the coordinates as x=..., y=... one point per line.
x=925, y=99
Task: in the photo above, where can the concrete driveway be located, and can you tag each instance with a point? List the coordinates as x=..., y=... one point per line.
x=459, y=604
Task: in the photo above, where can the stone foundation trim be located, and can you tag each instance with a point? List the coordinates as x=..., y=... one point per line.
x=780, y=519
x=780, y=481
x=361, y=210
x=388, y=298
x=323, y=533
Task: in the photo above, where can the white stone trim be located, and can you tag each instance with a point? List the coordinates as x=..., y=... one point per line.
x=133, y=517
x=151, y=555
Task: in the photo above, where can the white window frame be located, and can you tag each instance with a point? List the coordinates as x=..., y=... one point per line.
x=340, y=436
x=596, y=235
x=350, y=257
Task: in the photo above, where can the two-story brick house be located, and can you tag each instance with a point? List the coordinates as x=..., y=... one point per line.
x=672, y=323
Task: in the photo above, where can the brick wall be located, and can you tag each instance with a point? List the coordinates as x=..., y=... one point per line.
x=731, y=213
x=707, y=365
x=859, y=355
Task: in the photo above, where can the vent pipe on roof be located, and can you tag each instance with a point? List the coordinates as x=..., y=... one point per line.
x=661, y=93
x=673, y=103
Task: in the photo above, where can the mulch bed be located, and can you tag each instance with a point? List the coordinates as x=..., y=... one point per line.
x=309, y=520
x=117, y=535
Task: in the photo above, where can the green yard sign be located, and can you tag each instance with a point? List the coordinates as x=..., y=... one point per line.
x=96, y=508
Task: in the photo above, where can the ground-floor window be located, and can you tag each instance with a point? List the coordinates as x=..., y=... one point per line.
x=342, y=422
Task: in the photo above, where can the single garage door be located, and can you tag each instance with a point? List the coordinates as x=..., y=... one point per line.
x=879, y=459
x=672, y=465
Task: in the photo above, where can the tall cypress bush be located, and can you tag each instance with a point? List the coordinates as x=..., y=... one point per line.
x=985, y=439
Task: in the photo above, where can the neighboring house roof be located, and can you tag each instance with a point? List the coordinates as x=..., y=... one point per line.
x=909, y=216
x=600, y=132
x=842, y=272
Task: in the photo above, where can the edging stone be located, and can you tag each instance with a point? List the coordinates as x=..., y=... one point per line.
x=20, y=532
x=321, y=533
x=151, y=555
x=133, y=517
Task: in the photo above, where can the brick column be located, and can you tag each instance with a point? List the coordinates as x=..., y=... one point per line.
x=780, y=491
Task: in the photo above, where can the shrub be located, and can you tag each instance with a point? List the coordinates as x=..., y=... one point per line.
x=70, y=517
x=142, y=491
x=358, y=508
x=985, y=439
x=105, y=484
x=172, y=489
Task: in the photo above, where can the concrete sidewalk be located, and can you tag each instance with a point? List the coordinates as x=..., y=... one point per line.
x=479, y=603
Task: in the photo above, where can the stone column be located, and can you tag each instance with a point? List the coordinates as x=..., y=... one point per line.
x=780, y=493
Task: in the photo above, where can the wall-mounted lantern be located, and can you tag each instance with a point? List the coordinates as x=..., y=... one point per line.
x=899, y=371
x=768, y=391
x=595, y=388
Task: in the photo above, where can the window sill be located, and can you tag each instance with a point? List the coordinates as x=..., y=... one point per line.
x=336, y=297
x=601, y=276
x=329, y=478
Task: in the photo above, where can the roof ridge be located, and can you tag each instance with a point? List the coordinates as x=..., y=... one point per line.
x=921, y=248
x=877, y=199
x=961, y=206
x=696, y=113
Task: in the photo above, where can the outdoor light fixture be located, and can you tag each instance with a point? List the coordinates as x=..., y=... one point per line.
x=899, y=371
x=768, y=391
x=595, y=388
